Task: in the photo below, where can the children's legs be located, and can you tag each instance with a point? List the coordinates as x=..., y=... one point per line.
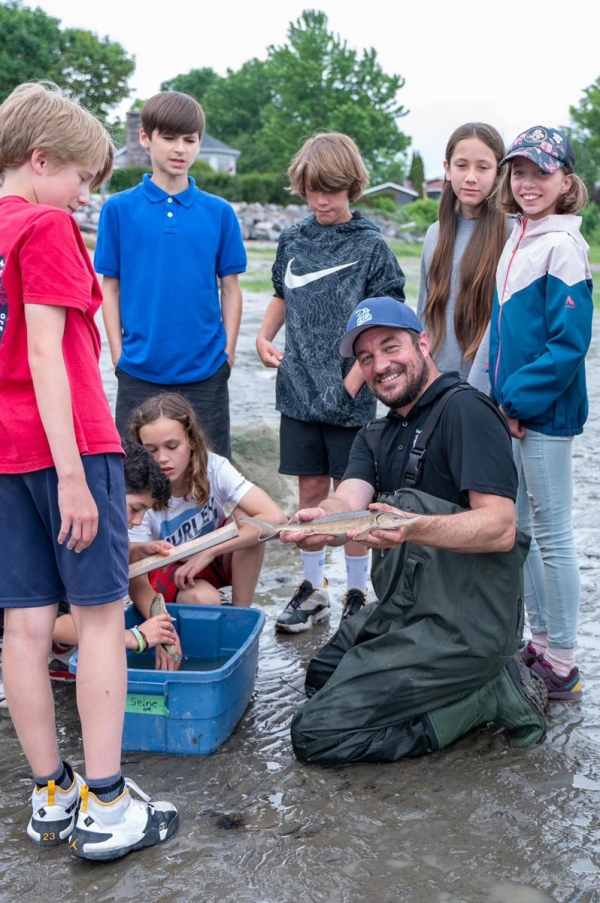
x=357, y=572
x=101, y=684
x=547, y=468
x=311, y=491
x=533, y=569
x=27, y=639
x=202, y=593
x=245, y=571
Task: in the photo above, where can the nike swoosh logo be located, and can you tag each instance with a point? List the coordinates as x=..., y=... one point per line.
x=293, y=281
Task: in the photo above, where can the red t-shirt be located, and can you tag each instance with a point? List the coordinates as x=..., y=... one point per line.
x=43, y=260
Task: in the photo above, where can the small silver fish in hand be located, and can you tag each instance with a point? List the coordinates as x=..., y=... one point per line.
x=359, y=522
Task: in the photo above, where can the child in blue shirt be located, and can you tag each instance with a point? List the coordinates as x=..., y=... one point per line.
x=165, y=248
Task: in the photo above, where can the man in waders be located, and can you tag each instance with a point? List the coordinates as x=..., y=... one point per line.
x=437, y=654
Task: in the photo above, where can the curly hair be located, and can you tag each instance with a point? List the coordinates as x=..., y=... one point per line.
x=143, y=474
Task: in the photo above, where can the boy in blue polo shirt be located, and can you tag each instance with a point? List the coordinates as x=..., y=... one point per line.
x=164, y=249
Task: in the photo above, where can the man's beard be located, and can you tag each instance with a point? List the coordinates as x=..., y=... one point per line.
x=416, y=380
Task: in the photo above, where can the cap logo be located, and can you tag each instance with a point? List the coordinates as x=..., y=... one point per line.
x=535, y=135
x=363, y=315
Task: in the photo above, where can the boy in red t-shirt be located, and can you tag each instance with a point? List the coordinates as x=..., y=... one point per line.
x=63, y=529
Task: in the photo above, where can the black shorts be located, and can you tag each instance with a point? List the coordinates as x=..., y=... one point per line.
x=209, y=399
x=314, y=449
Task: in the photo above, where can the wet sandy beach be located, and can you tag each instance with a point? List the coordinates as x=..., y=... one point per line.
x=476, y=823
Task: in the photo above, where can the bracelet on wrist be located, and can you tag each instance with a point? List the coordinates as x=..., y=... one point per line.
x=142, y=642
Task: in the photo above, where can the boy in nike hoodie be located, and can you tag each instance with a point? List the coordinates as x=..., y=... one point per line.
x=325, y=265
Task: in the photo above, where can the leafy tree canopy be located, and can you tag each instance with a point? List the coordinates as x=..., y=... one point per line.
x=195, y=83
x=267, y=109
x=93, y=70
x=319, y=83
x=585, y=135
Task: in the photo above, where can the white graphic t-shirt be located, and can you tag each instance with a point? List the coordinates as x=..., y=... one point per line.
x=185, y=519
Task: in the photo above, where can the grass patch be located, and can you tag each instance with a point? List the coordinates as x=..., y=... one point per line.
x=595, y=254
x=252, y=283
x=403, y=250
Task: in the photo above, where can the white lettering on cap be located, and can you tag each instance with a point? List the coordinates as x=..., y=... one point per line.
x=363, y=316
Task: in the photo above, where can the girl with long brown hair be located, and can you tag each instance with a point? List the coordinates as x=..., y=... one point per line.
x=461, y=253
x=203, y=484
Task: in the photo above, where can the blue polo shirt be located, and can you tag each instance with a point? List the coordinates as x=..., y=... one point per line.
x=167, y=252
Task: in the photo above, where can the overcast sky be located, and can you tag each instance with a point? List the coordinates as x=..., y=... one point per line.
x=512, y=65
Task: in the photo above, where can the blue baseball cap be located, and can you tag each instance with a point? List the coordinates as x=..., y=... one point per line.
x=377, y=312
x=548, y=148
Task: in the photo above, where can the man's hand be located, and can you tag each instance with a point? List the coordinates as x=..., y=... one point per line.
x=309, y=543
x=382, y=540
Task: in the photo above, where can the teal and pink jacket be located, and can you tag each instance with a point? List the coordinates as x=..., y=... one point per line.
x=541, y=325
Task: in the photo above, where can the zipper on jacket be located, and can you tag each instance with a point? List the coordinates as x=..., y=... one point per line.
x=510, y=263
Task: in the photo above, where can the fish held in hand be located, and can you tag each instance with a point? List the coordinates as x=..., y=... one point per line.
x=359, y=522
x=158, y=607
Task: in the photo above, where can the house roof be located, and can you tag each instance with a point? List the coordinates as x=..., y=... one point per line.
x=213, y=144
x=391, y=186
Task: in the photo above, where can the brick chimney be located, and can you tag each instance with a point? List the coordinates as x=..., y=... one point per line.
x=136, y=154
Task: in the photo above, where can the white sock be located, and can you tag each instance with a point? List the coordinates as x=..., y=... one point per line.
x=357, y=571
x=314, y=567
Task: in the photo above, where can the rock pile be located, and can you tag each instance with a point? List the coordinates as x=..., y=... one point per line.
x=258, y=222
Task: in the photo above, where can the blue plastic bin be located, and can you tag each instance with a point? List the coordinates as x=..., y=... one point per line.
x=193, y=712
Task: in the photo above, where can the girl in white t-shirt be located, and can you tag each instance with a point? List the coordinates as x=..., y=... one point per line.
x=202, y=484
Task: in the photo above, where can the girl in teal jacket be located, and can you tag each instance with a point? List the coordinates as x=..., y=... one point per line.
x=540, y=333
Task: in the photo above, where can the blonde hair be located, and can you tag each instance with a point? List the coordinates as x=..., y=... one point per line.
x=572, y=201
x=38, y=115
x=175, y=407
x=329, y=161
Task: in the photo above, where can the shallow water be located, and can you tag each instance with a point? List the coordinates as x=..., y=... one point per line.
x=476, y=823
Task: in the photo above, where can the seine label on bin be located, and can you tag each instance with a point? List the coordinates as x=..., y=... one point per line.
x=145, y=705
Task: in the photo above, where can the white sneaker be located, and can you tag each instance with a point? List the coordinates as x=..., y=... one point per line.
x=106, y=831
x=53, y=813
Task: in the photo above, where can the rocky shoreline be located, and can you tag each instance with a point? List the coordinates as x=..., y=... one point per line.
x=258, y=222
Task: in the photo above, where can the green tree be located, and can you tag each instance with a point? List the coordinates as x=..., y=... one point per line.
x=314, y=82
x=234, y=108
x=196, y=83
x=29, y=46
x=94, y=70
x=33, y=46
x=585, y=135
x=416, y=174
x=317, y=82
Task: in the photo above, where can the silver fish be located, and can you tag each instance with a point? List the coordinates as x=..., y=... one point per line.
x=360, y=522
x=158, y=607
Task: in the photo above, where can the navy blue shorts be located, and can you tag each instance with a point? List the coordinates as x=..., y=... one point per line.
x=36, y=570
x=314, y=449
